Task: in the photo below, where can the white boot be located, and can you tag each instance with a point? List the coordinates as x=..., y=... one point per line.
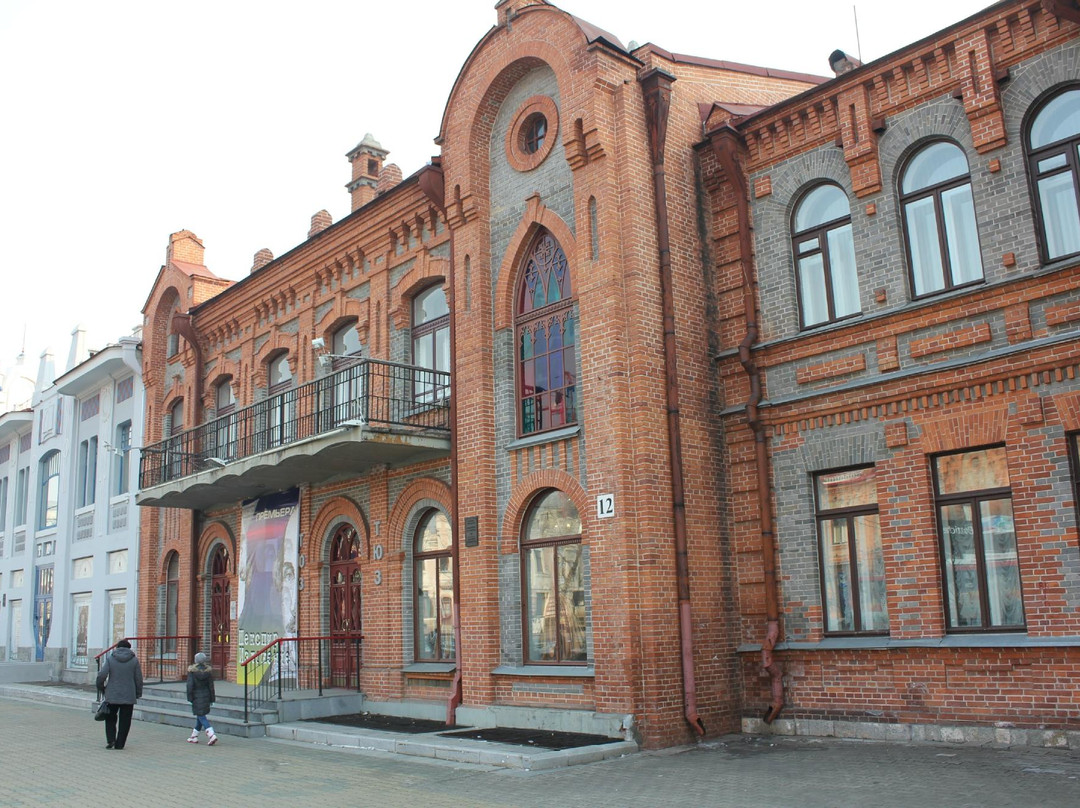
x=194, y=737
x=211, y=736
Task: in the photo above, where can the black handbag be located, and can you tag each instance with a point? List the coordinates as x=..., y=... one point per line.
x=101, y=709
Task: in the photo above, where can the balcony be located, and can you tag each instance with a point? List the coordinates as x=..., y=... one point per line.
x=371, y=414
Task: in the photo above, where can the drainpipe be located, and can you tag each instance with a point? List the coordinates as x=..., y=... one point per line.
x=182, y=325
x=432, y=184
x=656, y=86
x=726, y=145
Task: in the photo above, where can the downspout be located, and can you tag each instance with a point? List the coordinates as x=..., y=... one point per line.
x=182, y=325
x=656, y=86
x=433, y=184
x=726, y=145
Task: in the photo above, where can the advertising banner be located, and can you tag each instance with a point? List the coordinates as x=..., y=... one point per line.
x=266, y=597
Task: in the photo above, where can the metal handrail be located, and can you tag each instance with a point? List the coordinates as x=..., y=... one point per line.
x=173, y=655
x=272, y=669
x=370, y=391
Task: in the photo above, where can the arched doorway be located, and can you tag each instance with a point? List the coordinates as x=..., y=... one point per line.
x=344, y=607
x=220, y=597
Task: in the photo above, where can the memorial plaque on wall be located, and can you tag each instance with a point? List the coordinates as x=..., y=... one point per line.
x=472, y=531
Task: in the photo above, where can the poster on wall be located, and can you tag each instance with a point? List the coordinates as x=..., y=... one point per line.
x=266, y=597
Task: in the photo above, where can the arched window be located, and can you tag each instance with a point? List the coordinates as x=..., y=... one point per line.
x=433, y=573
x=49, y=490
x=281, y=402
x=939, y=219
x=825, y=257
x=225, y=420
x=431, y=344
x=348, y=401
x=172, y=600
x=174, y=449
x=1054, y=168
x=553, y=581
x=546, y=337
x=347, y=346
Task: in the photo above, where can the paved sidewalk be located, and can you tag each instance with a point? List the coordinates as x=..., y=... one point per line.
x=54, y=755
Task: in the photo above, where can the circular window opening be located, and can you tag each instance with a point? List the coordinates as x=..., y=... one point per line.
x=533, y=133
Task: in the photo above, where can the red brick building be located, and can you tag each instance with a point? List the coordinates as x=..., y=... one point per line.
x=554, y=407
x=895, y=253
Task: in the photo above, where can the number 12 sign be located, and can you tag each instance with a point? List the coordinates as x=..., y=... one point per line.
x=605, y=506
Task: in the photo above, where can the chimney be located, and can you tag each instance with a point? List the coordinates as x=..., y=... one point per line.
x=184, y=246
x=262, y=258
x=78, y=352
x=367, y=161
x=508, y=9
x=319, y=222
x=841, y=63
x=389, y=177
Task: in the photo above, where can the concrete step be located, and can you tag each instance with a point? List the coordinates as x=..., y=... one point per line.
x=432, y=745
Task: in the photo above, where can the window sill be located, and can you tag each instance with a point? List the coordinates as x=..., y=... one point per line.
x=988, y=640
x=426, y=668
x=545, y=437
x=557, y=671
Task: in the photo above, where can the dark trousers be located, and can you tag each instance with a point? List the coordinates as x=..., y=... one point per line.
x=117, y=724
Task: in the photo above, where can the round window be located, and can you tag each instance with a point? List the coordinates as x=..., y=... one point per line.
x=533, y=133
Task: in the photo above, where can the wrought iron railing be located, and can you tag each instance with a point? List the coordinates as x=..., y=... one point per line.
x=165, y=658
x=300, y=663
x=372, y=392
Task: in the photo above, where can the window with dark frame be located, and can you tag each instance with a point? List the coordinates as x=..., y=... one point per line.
x=172, y=601
x=533, y=133
x=824, y=251
x=433, y=578
x=281, y=402
x=121, y=458
x=980, y=567
x=546, y=340
x=1074, y=461
x=553, y=582
x=226, y=426
x=1053, y=146
x=852, y=565
x=87, y=480
x=49, y=490
x=431, y=344
x=938, y=212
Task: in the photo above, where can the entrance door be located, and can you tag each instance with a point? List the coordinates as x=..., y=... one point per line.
x=220, y=597
x=43, y=604
x=344, y=607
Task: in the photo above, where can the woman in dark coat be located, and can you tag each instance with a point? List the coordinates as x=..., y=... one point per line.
x=121, y=680
x=200, y=692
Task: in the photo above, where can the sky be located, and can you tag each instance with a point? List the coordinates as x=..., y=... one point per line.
x=125, y=121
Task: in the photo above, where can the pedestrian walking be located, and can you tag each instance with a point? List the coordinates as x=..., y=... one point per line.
x=200, y=692
x=119, y=682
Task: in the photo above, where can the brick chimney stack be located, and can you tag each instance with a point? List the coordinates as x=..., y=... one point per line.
x=367, y=160
x=262, y=258
x=185, y=246
x=319, y=222
x=389, y=177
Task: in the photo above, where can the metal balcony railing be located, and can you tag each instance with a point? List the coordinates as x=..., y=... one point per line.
x=371, y=392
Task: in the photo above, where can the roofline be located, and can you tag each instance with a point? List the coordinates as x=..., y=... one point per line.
x=412, y=179
x=737, y=67
x=861, y=72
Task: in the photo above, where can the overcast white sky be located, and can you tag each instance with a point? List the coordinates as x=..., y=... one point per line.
x=125, y=121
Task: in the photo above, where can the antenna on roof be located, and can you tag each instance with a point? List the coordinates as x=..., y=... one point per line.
x=858, y=43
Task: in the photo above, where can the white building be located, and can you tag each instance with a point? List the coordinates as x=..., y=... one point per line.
x=68, y=525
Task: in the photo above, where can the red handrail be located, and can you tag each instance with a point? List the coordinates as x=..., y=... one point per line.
x=280, y=640
x=152, y=637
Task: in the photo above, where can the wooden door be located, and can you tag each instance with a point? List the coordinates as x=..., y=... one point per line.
x=220, y=598
x=344, y=607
